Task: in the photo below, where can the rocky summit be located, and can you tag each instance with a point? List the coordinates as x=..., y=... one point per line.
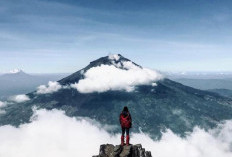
x=109, y=150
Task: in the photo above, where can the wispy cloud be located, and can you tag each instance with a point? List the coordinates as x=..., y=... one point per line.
x=20, y=98
x=50, y=88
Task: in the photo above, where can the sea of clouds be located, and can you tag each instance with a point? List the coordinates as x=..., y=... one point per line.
x=53, y=134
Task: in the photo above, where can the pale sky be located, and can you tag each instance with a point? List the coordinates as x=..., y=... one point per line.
x=53, y=36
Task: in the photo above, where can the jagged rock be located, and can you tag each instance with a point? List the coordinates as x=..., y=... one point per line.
x=109, y=150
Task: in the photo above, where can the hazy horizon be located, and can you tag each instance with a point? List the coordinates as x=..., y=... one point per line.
x=178, y=72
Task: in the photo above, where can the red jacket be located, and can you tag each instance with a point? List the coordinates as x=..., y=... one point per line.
x=125, y=120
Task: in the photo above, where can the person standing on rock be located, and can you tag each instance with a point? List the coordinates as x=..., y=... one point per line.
x=126, y=122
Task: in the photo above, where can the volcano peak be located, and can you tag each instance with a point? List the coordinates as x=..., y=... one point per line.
x=112, y=59
x=16, y=71
x=116, y=60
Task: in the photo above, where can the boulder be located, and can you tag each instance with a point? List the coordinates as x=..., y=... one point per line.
x=109, y=150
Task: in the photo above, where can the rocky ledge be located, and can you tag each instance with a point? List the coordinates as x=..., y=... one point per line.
x=109, y=150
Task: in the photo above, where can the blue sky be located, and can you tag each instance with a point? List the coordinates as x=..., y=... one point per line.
x=52, y=36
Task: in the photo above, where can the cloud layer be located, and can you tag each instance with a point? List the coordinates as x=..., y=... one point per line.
x=51, y=133
x=50, y=88
x=114, y=57
x=120, y=76
x=20, y=98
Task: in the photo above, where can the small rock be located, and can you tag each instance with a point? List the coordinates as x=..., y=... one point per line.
x=117, y=150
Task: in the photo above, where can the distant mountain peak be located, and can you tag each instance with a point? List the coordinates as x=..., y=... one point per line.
x=16, y=71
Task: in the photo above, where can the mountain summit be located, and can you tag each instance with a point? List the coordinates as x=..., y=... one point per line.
x=113, y=72
x=15, y=71
x=115, y=60
x=101, y=90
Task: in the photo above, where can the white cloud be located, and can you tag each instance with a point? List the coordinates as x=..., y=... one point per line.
x=109, y=77
x=14, y=71
x=53, y=134
x=198, y=144
x=50, y=88
x=130, y=65
x=154, y=84
x=20, y=98
x=114, y=57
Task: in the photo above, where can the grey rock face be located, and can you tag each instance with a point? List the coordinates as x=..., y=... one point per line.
x=109, y=150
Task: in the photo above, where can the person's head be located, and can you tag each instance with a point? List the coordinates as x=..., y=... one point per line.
x=125, y=109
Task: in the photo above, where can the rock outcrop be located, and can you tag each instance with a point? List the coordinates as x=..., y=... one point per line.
x=109, y=150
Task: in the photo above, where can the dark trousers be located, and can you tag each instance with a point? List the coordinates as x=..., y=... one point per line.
x=125, y=130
